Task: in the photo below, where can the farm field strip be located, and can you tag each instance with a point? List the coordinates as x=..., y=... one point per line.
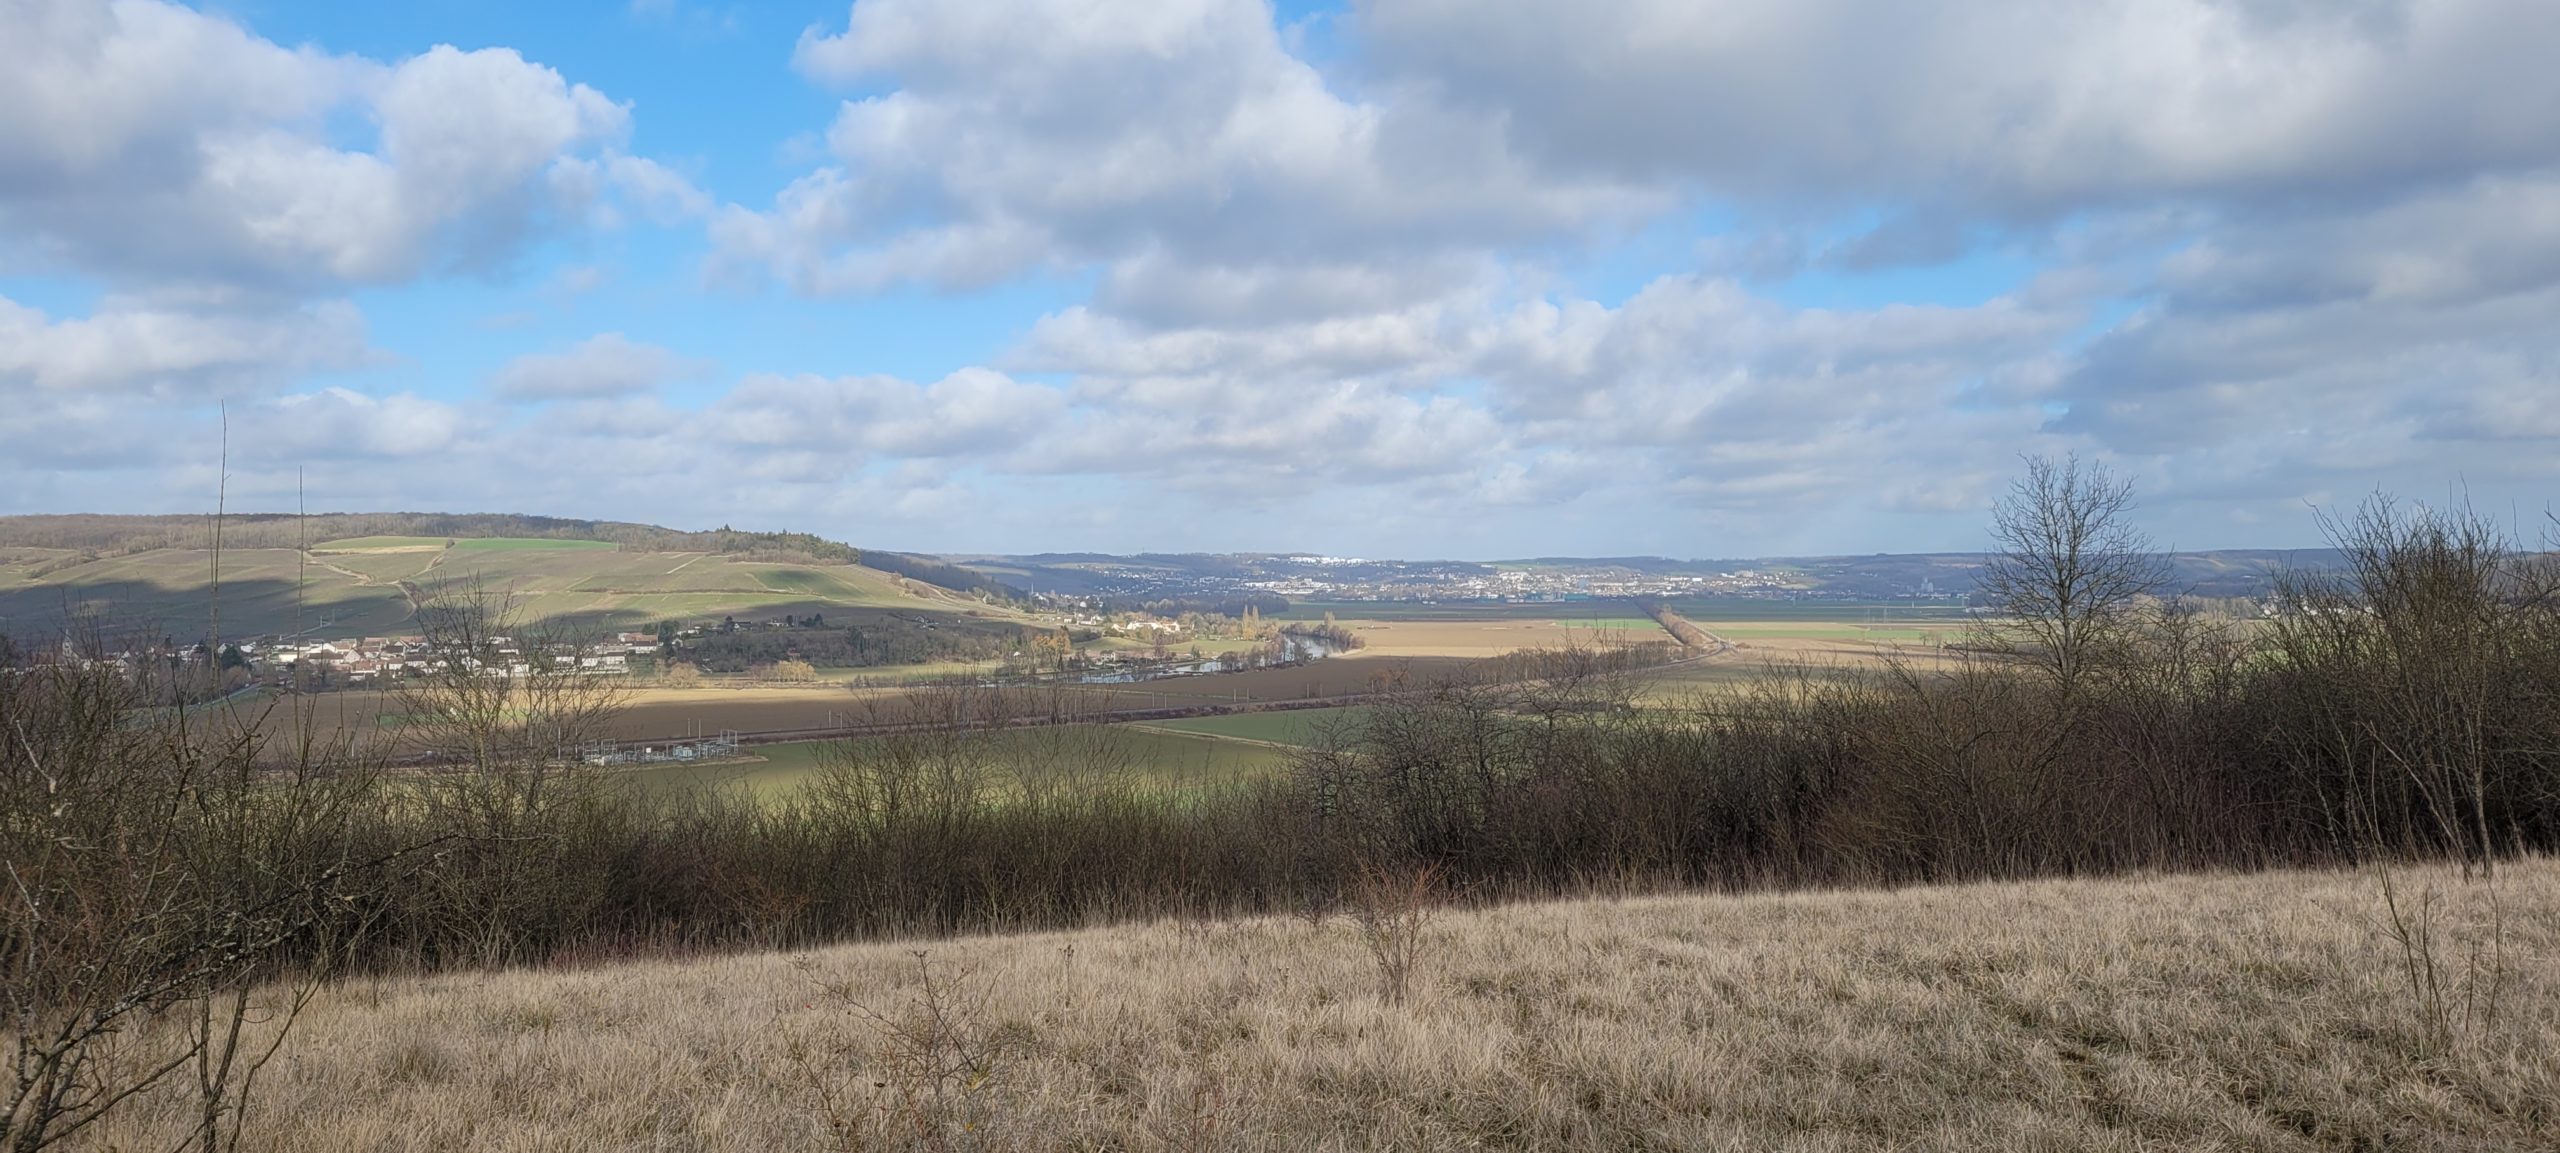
x=460, y=544
x=1293, y=727
x=1157, y=760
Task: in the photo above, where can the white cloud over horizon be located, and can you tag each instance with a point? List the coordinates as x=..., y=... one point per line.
x=1736, y=278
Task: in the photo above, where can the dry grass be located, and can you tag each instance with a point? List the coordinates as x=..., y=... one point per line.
x=2226, y=1012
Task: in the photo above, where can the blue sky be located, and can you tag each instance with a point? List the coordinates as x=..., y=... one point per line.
x=1407, y=277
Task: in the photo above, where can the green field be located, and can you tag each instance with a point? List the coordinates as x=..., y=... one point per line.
x=1290, y=727
x=472, y=544
x=1150, y=758
x=355, y=586
x=1729, y=609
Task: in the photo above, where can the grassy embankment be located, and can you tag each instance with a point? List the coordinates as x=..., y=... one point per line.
x=2269, y=1012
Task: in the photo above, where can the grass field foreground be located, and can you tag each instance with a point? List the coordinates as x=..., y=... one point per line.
x=2264, y=1012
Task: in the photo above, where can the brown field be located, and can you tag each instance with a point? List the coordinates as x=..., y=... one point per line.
x=1331, y=677
x=2265, y=1012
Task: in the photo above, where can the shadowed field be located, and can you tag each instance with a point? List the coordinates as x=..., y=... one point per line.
x=2268, y=1012
x=1290, y=727
x=356, y=586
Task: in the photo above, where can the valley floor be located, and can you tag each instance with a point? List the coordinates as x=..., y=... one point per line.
x=2266, y=1012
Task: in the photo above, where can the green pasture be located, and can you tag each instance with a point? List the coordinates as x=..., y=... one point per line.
x=1289, y=727
x=1730, y=610
x=1157, y=760
x=469, y=544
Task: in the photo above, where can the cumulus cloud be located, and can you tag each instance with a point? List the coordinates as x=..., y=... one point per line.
x=606, y=365
x=1176, y=136
x=339, y=424
x=2001, y=106
x=152, y=143
x=971, y=412
x=1520, y=278
x=186, y=350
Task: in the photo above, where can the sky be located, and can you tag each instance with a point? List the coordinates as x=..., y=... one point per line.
x=1405, y=278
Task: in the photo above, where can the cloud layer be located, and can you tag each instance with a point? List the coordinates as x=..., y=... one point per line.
x=1415, y=277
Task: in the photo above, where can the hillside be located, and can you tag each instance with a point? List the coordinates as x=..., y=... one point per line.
x=2266, y=1012
x=156, y=573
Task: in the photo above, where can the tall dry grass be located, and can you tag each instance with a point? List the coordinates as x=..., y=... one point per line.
x=2266, y=1011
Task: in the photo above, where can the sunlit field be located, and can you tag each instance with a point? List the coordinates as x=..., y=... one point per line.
x=2264, y=1012
x=1155, y=759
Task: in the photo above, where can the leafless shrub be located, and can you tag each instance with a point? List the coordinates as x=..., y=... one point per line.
x=2454, y=975
x=1391, y=908
x=154, y=879
x=929, y=1077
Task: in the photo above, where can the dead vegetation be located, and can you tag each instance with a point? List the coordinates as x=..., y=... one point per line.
x=2238, y=1012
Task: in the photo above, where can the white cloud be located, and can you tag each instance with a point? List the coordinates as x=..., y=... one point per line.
x=339, y=424
x=973, y=412
x=1512, y=278
x=2004, y=106
x=606, y=365
x=181, y=350
x=1175, y=136
x=151, y=143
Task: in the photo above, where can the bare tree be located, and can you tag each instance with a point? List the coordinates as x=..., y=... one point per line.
x=499, y=692
x=508, y=709
x=159, y=873
x=2070, y=570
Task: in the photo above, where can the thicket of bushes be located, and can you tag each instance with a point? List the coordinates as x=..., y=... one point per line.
x=878, y=640
x=2407, y=706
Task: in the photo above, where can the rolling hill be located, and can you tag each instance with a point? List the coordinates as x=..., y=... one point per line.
x=156, y=573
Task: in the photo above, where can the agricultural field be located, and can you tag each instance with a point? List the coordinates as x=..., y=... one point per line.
x=1390, y=639
x=169, y=590
x=1146, y=756
x=1819, y=611
x=2269, y=1011
x=464, y=544
x=1288, y=727
x=355, y=587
